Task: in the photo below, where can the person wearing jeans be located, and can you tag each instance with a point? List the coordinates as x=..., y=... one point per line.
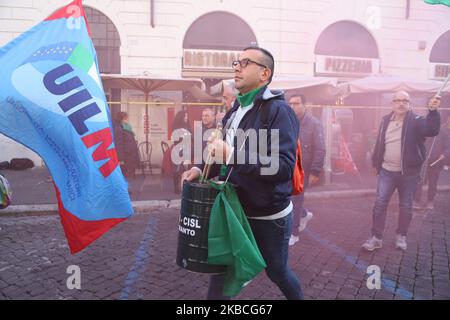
x=388, y=181
x=265, y=195
x=397, y=158
x=301, y=215
x=272, y=238
x=313, y=157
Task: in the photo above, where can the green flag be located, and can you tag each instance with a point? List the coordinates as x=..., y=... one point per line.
x=444, y=2
x=231, y=241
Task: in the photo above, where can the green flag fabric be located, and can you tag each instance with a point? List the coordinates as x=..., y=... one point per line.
x=444, y=2
x=231, y=241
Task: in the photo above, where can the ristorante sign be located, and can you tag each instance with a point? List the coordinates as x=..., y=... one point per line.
x=208, y=60
x=346, y=66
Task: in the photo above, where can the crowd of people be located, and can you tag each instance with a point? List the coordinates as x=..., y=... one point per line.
x=409, y=151
x=275, y=216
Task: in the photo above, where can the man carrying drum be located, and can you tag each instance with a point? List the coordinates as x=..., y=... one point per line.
x=264, y=188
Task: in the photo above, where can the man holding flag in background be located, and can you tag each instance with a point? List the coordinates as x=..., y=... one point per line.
x=397, y=158
x=52, y=101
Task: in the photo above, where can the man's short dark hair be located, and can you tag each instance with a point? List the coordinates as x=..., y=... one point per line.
x=120, y=116
x=298, y=95
x=268, y=60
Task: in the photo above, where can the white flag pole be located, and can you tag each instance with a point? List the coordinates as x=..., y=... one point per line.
x=444, y=85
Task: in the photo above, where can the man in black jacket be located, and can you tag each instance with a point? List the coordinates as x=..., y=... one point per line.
x=126, y=145
x=264, y=186
x=397, y=158
x=437, y=157
x=313, y=156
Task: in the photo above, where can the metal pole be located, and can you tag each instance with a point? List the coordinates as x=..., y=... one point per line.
x=407, y=9
x=326, y=118
x=147, y=123
x=152, y=13
x=443, y=86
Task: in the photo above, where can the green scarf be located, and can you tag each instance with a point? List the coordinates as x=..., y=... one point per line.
x=127, y=127
x=247, y=99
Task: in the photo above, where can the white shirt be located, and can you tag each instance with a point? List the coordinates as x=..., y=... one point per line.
x=392, y=160
x=231, y=131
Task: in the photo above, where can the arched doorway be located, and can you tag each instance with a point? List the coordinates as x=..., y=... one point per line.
x=346, y=49
x=212, y=42
x=440, y=63
x=440, y=57
x=219, y=31
x=106, y=40
x=210, y=45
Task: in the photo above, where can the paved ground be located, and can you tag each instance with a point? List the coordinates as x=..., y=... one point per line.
x=34, y=186
x=136, y=260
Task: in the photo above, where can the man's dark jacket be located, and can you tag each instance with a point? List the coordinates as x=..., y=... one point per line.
x=415, y=129
x=313, y=145
x=264, y=195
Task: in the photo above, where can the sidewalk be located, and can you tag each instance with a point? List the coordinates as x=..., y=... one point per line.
x=33, y=190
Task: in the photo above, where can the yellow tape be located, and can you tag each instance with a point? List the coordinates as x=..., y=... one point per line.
x=165, y=104
x=201, y=104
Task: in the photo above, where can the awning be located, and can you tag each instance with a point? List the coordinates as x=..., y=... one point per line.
x=301, y=82
x=147, y=84
x=312, y=87
x=315, y=89
x=389, y=83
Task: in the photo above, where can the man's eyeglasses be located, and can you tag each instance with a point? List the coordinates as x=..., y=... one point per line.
x=244, y=63
x=405, y=101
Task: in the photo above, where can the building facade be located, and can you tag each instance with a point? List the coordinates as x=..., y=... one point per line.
x=200, y=38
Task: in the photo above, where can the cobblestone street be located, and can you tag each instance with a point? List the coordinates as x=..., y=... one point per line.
x=136, y=259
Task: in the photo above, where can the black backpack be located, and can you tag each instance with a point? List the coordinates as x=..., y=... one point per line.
x=21, y=164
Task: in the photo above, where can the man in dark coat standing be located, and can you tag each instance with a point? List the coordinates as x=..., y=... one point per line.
x=126, y=146
x=398, y=156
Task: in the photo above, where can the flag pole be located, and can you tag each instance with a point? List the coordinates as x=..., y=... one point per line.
x=207, y=166
x=444, y=85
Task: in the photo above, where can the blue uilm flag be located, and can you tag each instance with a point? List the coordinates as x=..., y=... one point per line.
x=52, y=101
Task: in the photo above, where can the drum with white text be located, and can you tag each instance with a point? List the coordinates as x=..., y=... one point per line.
x=192, y=252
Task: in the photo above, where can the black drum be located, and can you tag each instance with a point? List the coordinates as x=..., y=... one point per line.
x=196, y=203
